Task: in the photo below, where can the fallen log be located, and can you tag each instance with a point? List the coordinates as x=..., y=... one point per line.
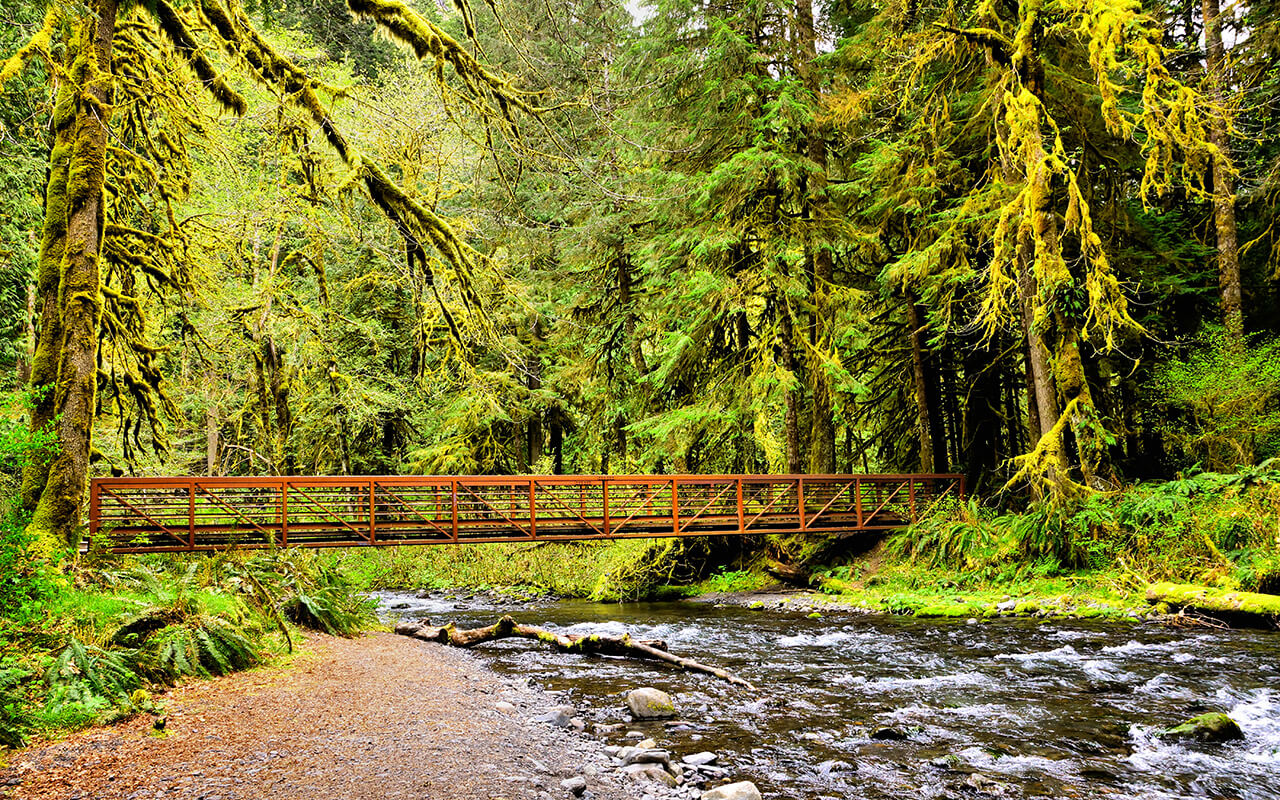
x=789, y=573
x=1238, y=609
x=507, y=627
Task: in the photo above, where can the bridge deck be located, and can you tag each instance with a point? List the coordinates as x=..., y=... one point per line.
x=193, y=514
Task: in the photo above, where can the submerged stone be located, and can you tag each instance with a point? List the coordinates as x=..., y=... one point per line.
x=1212, y=727
x=888, y=735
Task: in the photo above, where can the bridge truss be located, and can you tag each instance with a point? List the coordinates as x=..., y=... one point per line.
x=134, y=515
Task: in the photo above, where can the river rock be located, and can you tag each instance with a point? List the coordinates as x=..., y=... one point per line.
x=827, y=768
x=650, y=703
x=1212, y=727
x=558, y=717
x=575, y=785
x=888, y=735
x=700, y=759
x=984, y=785
x=743, y=790
x=651, y=772
x=637, y=755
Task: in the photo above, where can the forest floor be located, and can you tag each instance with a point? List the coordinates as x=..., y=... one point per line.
x=380, y=716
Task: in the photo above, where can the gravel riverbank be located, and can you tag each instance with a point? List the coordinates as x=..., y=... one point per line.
x=382, y=716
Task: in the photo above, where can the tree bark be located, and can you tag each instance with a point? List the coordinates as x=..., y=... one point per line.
x=507, y=628
x=625, y=280
x=53, y=243
x=933, y=445
x=212, y=427
x=533, y=441
x=1224, y=211
x=791, y=401
x=556, y=422
x=822, y=427
x=57, y=515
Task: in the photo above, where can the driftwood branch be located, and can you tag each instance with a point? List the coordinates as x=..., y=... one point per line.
x=505, y=628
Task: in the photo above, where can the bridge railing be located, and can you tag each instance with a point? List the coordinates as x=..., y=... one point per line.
x=189, y=514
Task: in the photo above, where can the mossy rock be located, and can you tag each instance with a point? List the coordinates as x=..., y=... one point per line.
x=1212, y=727
x=650, y=703
x=1235, y=608
x=949, y=610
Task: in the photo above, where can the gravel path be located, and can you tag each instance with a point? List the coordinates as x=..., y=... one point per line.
x=377, y=717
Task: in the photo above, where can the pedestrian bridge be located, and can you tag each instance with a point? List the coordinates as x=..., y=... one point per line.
x=179, y=514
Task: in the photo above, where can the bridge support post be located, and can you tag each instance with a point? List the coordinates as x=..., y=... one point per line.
x=742, y=521
x=604, y=494
x=857, y=499
x=675, y=507
x=95, y=508
x=800, y=501
x=284, y=513
x=533, y=509
x=454, y=486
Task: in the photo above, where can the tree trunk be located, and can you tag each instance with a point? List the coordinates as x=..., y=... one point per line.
x=623, y=264
x=933, y=446
x=212, y=427
x=53, y=243
x=1042, y=402
x=507, y=628
x=533, y=442
x=791, y=401
x=57, y=515
x=344, y=440
x=557, y=441
x=1224, y=211
x=822, y=427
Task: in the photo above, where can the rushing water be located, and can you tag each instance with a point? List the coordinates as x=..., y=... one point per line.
x=1017, y=708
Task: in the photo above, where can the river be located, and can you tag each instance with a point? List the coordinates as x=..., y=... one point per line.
x=1006, y=707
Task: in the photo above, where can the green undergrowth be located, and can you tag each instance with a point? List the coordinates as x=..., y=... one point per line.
x=103, y=639
x=630, y=569
x=1093, y=558
x=907, y=588
x=565, y=569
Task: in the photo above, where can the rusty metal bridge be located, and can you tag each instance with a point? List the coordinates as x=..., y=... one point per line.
x=135, y=515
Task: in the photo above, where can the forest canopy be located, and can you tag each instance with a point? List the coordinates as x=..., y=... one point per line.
x=1034, y=242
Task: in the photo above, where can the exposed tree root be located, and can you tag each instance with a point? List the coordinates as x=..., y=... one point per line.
x=507, y=627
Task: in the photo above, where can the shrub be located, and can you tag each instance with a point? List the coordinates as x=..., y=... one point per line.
x=1221, y=404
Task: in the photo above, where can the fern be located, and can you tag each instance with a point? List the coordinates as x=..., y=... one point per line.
x=13, y=712
x=201, y=646
x=90, y=670
x=331, y=610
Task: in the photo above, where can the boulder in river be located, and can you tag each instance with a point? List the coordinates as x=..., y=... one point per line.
x=1212, y=727
x=743, y=790
x=650, y=703
x=651, y=772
